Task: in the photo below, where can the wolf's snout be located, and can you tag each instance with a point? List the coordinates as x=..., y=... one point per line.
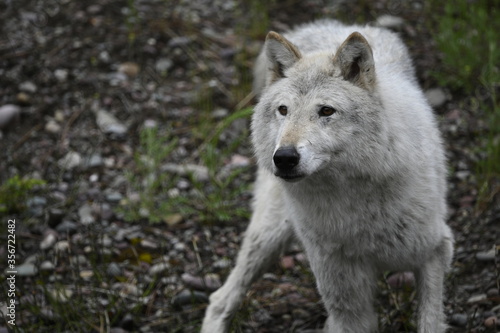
x=286, y=158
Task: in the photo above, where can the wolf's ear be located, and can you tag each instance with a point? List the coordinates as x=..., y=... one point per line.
x=355, y=59
x=281, y=54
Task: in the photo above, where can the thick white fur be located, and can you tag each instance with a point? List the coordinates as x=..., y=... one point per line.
x=372, y=186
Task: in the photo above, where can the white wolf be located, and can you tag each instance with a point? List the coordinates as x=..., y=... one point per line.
x=351, y=162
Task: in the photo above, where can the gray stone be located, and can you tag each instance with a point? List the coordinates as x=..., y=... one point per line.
x=37, y=201
x=477, y=298
x=27, y=269
x=401, y=280
x=220, y=113
x=486, y=255
x=199, y=172
x=61, y=74
x=8, y=113
x=114, y=270
x=127, y=288
x=67, y=227
x=28, y=87
x=95, y=161
x=47, y=266
x=61, y=246
x=222, y=263
x=52, y=127
x=49, y=240
x=109, y=124
x=78, y=260
x=210, y=282
x=188, y=297
x=85, y=214
x=463, y=174
x=436, y=97
x=113, y=196
x=159, y=268
x=390, y=21
x=70, y=161
x=459, y=319
x=163, y=65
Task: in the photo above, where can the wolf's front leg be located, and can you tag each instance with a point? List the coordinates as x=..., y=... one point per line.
x=430, y=279
x=267, y=235
x=347, y=287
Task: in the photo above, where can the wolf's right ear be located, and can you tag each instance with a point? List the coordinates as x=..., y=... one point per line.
x=280, y=53
x=355, y=59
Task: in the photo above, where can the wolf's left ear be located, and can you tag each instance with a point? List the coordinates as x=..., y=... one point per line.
x=355, y=59
x=281, y=54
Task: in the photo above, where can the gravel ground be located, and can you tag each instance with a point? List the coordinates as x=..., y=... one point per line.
x=80, y=80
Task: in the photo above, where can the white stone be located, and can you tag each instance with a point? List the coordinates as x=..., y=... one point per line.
x=70, y=161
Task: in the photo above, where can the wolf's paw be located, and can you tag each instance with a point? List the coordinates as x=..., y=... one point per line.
x=222, y=307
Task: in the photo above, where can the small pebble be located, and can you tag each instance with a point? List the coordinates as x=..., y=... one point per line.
x=114, y=270
x=390, y=21
x=459, y=319
x=492, y=292
x=188, y=297
x=61, y=295
x=8, y=113
x=436, y=97
x=47, y=266
x=23, y=98
x=159, y=268
x=61, y=246
x=78, y=260
x=26, y=269
x=486, y=255
x=49, y=240
x=401, y=280
x=477, y=298
x=86, y=274
x=210, y=282
x=61, y=75
x=28, y=87
x=114, y=196
x=85, y=214
x=173, y=219
x=70, y=161
x=491, y=322
x=67, y=227
x=95, y=161
x=131, y=69
x=287, y=262
x=222, y=263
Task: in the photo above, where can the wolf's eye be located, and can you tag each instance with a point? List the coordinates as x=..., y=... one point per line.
x=326, y=111
x=283, y=110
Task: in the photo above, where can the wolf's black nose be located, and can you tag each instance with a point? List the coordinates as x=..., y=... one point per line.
x=286, y=158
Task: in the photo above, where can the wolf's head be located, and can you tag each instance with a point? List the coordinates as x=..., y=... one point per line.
x=319, y=110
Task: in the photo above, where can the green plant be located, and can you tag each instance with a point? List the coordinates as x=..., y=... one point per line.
x=14, y=193
x=220, y=202
x=132, y=21
x=148, y=181
x=467, y=36
x=216, y=201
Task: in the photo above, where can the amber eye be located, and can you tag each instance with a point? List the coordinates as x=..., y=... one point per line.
x=326, y=111
x=283, y=110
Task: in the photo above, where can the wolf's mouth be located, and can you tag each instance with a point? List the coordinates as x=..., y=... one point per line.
x=289, y=177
